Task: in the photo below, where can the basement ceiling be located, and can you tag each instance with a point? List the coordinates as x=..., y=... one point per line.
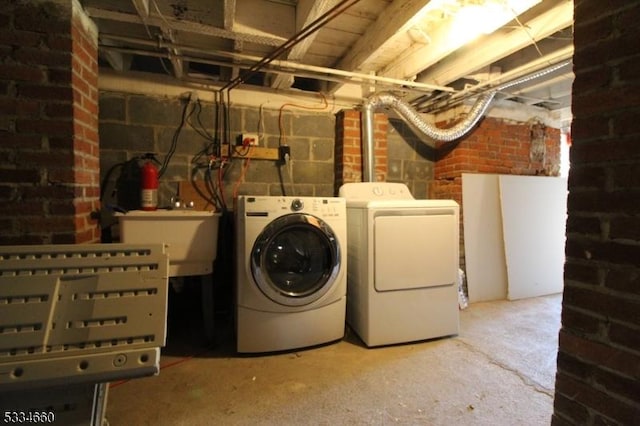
x=436, y=53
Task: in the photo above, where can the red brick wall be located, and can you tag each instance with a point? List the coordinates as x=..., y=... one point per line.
x=49, y=176
x=495, y=146
x=598, y=376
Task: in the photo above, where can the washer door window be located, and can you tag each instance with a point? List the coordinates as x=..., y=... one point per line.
x=295, y=259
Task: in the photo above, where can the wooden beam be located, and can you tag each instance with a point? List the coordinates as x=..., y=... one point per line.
x=297, y=52
x=142, y=6
x=558, y=86
x=395, y=19
x=257, y=152
x=189, y=27
x=118, y=61
x=559, y=57
x=229, y=14
x=229, y=21
x=497, y=46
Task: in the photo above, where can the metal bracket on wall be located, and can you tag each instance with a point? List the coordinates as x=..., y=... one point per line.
x=253, y=152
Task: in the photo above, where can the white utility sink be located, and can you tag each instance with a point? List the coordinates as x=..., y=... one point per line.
x=190, y=236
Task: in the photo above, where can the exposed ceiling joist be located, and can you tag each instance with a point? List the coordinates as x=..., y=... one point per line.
x=404, y=45
x=229, y=14
x=498, y=45
x=556, y=60
x=317, y=9
x=443, y=38
x=118, y=61
x=388, y=26
x=190, y=27
x=142, y=6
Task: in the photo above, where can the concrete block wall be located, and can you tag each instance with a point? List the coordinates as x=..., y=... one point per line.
x=348, y=148
x=411, y=158
x=310, y=136
x=49, y=182
x=598, y=375
x=400, y=155
x=132, y=124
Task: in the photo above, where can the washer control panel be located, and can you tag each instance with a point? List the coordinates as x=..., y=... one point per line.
x=268, y=206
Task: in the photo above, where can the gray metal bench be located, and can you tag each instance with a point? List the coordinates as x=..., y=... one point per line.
x=78, y=316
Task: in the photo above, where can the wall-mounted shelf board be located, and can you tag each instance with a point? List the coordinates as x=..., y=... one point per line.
x=253, y=152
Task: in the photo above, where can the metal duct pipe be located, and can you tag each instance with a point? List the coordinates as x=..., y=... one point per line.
x=412, y=117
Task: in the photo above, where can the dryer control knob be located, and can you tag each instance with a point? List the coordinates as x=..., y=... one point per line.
x=297, y=205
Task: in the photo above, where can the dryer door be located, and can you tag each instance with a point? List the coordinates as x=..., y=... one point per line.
x=415, y=251
x=295, y=259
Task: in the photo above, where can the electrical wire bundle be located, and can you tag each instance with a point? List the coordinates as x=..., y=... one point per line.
x=210, y=160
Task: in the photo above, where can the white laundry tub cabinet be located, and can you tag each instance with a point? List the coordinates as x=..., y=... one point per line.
x=190, y=236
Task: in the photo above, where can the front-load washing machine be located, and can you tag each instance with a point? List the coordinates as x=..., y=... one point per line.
x=291, y=279
x=402, y=262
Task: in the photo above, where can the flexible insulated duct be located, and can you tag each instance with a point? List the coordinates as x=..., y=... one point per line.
x=411, y=116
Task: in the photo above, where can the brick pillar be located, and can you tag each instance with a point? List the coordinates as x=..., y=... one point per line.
x=86, y=146
x=49, y=177
x=598, y=375
x=348, y=150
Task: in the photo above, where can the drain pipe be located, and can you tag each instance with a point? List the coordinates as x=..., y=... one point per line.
x=387, y=99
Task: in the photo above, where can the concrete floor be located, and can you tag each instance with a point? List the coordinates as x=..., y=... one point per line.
x=499, y=370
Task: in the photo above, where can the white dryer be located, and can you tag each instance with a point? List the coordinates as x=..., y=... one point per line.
x=402, y=262
x=291, y=279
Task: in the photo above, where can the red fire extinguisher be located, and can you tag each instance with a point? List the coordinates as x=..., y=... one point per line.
x=149, y=185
